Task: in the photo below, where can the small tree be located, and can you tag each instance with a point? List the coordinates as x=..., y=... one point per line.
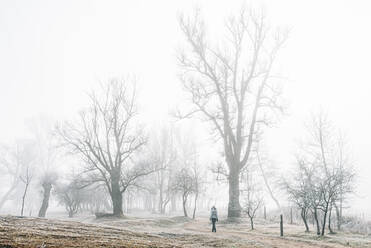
x=163, y=155
x=26, y=179
x=184, y=184
x=71, y=196
x=323, y=176
x=15, y=163
x=299, y=190
x=254, y=201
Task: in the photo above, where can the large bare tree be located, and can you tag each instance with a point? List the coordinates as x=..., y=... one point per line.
x=230, y=84
x=107, y=137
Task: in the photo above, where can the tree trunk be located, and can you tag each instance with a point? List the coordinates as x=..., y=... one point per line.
x=252, y=223
x=329, y=220
x=316, y=219
x=24, y=197
x=324, y=220
x=116, y=196
x=161, y=197
x=265, y=212
x=291, y=220
x=304, y=217
x=185, y=206
x=47, y=186
x=267, y=184
x=194, y=209
x=234, y=207
x=338, y=216
x=281, y=225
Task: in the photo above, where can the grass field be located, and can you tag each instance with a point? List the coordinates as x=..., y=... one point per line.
x=161, y=232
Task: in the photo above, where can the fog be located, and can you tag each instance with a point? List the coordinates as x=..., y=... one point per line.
x=53, y=54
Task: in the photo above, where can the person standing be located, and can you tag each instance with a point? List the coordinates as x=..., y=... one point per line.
x=213, y=218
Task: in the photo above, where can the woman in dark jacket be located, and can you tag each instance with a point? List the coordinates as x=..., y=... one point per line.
x=213, y=217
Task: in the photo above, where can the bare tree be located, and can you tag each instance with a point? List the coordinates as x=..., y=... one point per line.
x=107, y=138
x=337, y=174
x=185, y=185
x=163, y=155
x=198, y=184
x=264, y=174
x=299, y=190
x=47, y=182
x=71, y=196
x=26, y=179
x=253, y=198
x=323, y=178
x=46, y=162
x=231, y=86
x=15, y=160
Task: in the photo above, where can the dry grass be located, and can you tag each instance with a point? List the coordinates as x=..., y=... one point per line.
x=161, y=232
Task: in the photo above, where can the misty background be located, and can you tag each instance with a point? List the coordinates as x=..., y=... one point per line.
x=52, y=53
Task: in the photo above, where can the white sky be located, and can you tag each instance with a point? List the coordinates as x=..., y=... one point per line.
x=53, y=52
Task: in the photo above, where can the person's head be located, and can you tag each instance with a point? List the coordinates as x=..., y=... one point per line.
x=213, y=207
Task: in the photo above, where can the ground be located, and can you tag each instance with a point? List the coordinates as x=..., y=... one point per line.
x=162, y=232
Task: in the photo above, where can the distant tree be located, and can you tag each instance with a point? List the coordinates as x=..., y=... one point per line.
x=262, y=162
x=15, y=163
x=300, y=190
x=188, y=159
x=231, y=85
x=46, y=162
x=198, y=185
x=107, y=138
x=26, y=178
x=98, y=199
x=253, y=200
x=47, y=182
x=163, y=155
x=323, y=178
x=71, y=197
x=185, y=185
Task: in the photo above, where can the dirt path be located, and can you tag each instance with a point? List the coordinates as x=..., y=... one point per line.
x=262, y=238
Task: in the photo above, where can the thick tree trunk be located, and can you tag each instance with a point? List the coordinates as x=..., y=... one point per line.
x=116, y=196
x=185, y=206
x=234, y=207
x=324, y=220
x=252, y=223
x=304, y=217
x=47, y=186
